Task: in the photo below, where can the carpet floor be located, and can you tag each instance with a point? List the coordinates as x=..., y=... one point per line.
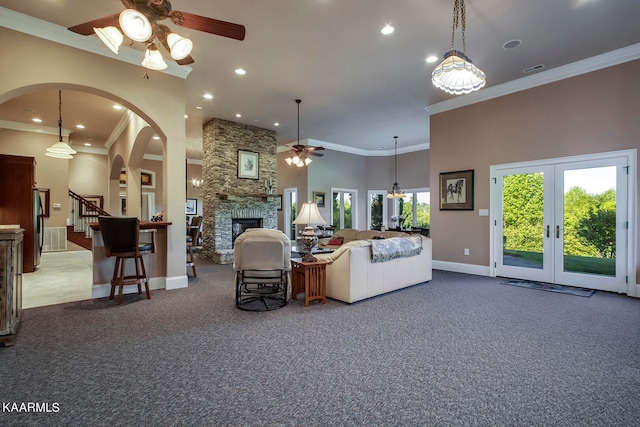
x=460, y=350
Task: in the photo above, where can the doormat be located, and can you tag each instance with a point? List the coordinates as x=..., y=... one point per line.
x=550, y=287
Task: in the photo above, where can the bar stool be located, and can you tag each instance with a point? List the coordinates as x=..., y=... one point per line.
x=121, y=237
x=193, y=235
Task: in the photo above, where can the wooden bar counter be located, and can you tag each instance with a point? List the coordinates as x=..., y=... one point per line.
x=155, y=263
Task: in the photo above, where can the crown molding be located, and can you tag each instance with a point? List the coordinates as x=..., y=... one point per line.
x=34, y=128
x=46, y=30
x=609, y=59
x=352, y=150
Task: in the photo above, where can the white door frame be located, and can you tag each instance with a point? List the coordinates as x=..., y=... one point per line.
x=286, y=206
x=633, y=289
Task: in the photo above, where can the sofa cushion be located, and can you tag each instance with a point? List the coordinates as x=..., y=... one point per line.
x=336, y=241
x=347, y=234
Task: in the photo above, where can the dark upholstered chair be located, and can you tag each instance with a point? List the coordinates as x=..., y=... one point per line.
x=262, y=261
x=121, y=237
x=193, y=235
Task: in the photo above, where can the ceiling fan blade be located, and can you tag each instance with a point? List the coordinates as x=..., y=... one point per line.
x=208, y=25
x=86, y=29
x=186, y=61
x=313, y=148
x=313, y=153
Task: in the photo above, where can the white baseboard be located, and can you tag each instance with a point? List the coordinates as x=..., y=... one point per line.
x=478, y=270
x=177, y=282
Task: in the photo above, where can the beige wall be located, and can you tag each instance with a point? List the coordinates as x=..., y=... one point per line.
x=30, y=64
x=592, y=113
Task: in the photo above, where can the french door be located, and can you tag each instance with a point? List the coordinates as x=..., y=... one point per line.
x=563, y=223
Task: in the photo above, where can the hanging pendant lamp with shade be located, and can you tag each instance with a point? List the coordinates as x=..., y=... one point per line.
x=60, y=150
x=456, y=74
x=396, y=192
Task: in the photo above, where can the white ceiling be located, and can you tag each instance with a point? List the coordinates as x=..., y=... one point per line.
x=358, y=87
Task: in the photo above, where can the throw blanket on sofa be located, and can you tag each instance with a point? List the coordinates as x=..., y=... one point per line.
x=396, y=247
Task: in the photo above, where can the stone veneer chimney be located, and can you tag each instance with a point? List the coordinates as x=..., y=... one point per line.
x=225, y=196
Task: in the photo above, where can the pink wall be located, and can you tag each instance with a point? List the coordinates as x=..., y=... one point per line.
x=592, y=113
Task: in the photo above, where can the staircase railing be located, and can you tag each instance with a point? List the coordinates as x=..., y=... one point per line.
x=84, y=212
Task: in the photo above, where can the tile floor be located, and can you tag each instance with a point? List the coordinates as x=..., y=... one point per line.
x=61, y=277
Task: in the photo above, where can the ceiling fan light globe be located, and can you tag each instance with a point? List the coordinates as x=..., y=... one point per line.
x=180, y=47
x=135, y=25
x=153, y=60
x=296, y=159
x=110, y=36
x=307, y=161
x=289, y=161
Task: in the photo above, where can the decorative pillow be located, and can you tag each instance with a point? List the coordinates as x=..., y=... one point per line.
x=378, y=238
x=336, y=241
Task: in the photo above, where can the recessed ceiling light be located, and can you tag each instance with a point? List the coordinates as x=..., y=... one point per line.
x=186, y=117
x=86, y=144
x=387, y=29
x=198, y=108
x=238, y=115
x=156, y=137
x=79, y=126
x=118, y=107
x=276, y=124
x=36, y=120
x=431, y=58
x=240, y=71
x=207, y=96
x=512, y=43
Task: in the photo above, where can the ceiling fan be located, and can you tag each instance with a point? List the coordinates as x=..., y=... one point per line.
x=300, y=153
x=132, y=22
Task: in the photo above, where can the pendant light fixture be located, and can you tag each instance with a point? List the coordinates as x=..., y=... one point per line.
x=60, y=150
x=456, y=74
x=396, y=192
x=298, y=158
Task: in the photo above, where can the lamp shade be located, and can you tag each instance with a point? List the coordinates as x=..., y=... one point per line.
x=110, y=36
x=135, y=25
x=457, y=75
x=179, y=46
x=59, y=155
x=60, y=148
x=309, y=215
x=153, y=59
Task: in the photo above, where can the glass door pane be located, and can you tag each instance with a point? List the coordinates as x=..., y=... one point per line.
x=376, y=210
x=523, y=226
x=589, y=221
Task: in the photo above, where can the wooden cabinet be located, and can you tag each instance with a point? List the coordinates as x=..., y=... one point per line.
x=11, y=247
x=17, y=182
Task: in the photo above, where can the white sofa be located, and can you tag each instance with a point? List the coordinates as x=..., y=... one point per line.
x=352, y=276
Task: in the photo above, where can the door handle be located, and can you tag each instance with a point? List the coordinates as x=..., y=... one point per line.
x=557, y=231
x=547, y=231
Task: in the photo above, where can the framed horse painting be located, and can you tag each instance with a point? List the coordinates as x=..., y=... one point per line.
x=456, y=191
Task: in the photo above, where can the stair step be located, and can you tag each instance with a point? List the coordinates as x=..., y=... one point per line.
x=79, y=238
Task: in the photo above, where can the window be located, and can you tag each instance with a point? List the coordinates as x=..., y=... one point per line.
x=414, y=210
x=290, y=212
x=377, y=212
x=343, y=208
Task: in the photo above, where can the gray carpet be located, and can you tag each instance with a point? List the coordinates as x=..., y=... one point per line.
x=460, y=350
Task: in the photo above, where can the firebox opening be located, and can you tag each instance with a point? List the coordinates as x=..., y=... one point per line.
x=239, y=225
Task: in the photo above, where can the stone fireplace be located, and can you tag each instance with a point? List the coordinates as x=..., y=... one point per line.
x=232, y=204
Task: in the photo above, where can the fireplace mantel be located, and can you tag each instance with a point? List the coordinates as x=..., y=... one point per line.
x=226, y=196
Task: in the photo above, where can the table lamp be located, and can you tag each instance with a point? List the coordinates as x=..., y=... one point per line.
x=309, y=215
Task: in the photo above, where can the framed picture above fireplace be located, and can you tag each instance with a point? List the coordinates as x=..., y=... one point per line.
x=248, y=164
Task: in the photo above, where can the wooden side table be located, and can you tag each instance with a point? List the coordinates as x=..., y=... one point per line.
x=310, y=278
